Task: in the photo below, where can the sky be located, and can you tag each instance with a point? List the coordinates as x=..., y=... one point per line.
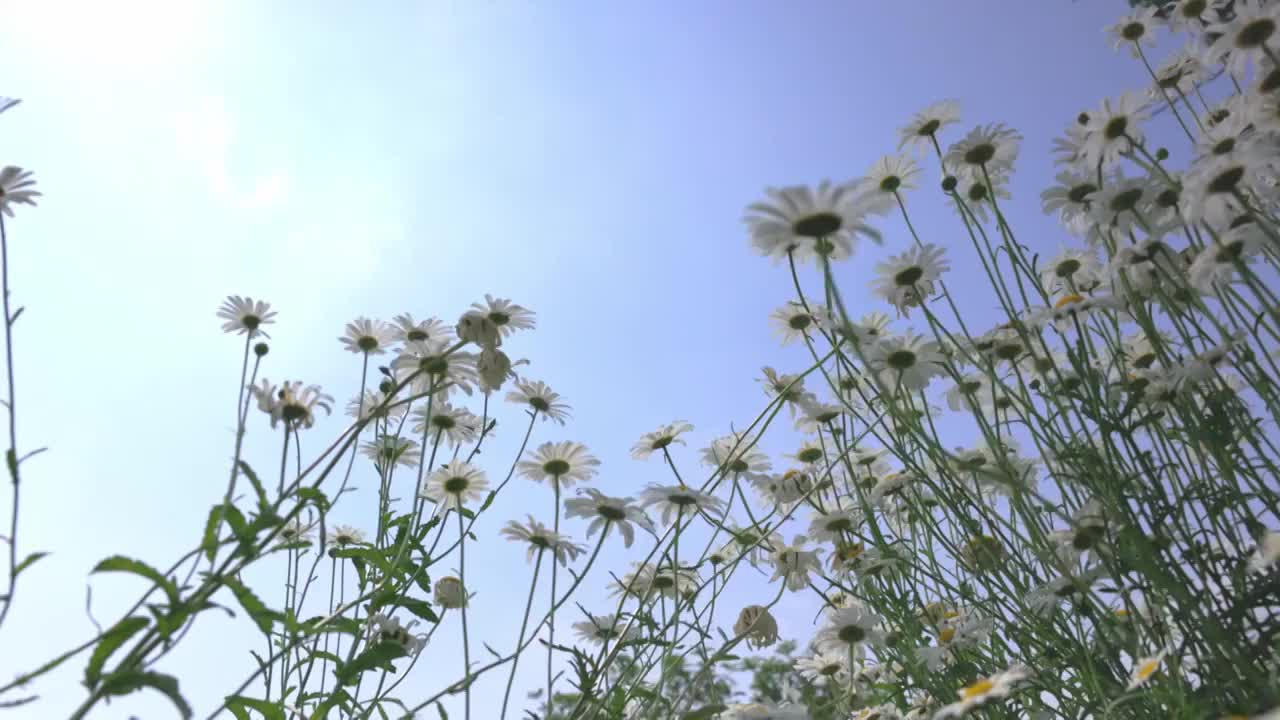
x=590, y=160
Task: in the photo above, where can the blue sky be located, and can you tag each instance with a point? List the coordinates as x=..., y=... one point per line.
x=590, y=160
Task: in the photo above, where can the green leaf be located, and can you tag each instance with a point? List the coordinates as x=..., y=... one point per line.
x=371, y=658
x=111, y=641
x=440, y=709
x=211, y=526
x=131, y=681
x=120, y=563
x=317, y=498
x=28, y=562
x=258, y=611
x=238, y=704
x=257, y=484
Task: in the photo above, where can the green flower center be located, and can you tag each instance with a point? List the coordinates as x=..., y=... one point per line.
x=609, y=512
x=555, y=467
x=539, y=404
x=901, y=359
x=1133, y=31
x=443, y=422
x=1116, y=128
x=1222, y=147
x=909, y=276
x=1067, y=268
x=499, y=318
x=980, y=154
x=799, y=322
x=251, y=321
x=817, y=225
x=1226, y=182
x=809, y=455
x=851, y=634
x=929, y=127
x=415, y=336
x=1126, y=200
x=1078, y=193
x=891, y=183
x=1256, y=33
x=456, y=485
x=434, y=365
x=367, y=343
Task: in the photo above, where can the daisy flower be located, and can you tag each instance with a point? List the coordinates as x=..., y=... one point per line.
x=603, y=629
x=992, y=148
x=802, y=221
x=1217, y=264
x=244, y=315
x=540, y=537
x=370, y=337
x=972, y=194
x=1247, y=37
x=757, y=625
x=371, y=404
x=847, y=629
x=890, y=176
x=450, y=593
x=818, y=415
x=793, y=563
x=296, y=531
x=563, y=463
x=736, y=454
x=458, y=426
x=984, y=691
x=1072, y=270
x=475, y=327
x=1143, y=668
x=387, y=451
x=1211, y=183
x=453, y=485
x=407, y=330
x=1135, y=29
x=788, y=388
x=659, y=439
x=1267, y=553
x=822, y=668
x=494, y=369
x=1070, y=199
x=539, y=396
x=908, y=278
x=1180, y=74
x=679, y=499
x=793, y=322
x=505, y=315
x=345, y=535
x=884, y=711
x=607, y=512
x=922, y=130
x=435, y=369
x=1113, y=128
x=790, y=487
x=292, y=402
x=832, y=526
x=386, y=629
x=868, y=328
x=17, y=187
x=1187, y=15
x=909, y=361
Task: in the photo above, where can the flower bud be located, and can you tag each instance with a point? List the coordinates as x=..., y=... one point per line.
x=450, y=593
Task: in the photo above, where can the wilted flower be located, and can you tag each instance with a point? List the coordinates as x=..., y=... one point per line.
x=450, y=593
x=757, y=625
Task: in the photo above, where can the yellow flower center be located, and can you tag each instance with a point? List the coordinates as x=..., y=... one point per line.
x=1066, y=300
x=1146, y=669
x=978, y=689
x=946, y=635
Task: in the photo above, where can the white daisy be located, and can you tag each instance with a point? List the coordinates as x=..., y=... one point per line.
x=450, y=593
x=848, y=629
x=1144, y=668
x=763, y=711
x=1070, y=199
x=17, y=187
x=245, y=315
x=1135, y=29
x=992, y=148
x=374, y=403
x=345, y=535
x=1188, y=15
x=984, y=691
x=539, y=396
x=407, y=330
x=563, y=463
x=790, y=388
x=386, y=629
x=680, y=499
x=908, y=278
x=1113, y=128
x=793, y=322
x=603, y=629
x=1071, y=270
x=1217, y=264
x=388, y=451
x=736, y=454
x=891, y=176
x=793, y=563
x=453, y=485
x=435, y=368
x=540, y=537
x=505, y=315
x=370, y=337
x=457, y=425
x=607, y=512
x=832, y=526
x=922, y=130
x=908, y=361
x=291, y=402
x=823, y=668
x=757, y=625
x=659, y=439
x=1247, y=37
x=802, y=221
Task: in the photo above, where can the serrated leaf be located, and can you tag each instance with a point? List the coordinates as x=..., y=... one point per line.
x=372, y=657
x=211, y=526
x=120, y=563
x=258, y=611
x=28, y=561
x=315, y=496
x=131, y=681
x=269, y=710
x=111, y=641
x=257, y=484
